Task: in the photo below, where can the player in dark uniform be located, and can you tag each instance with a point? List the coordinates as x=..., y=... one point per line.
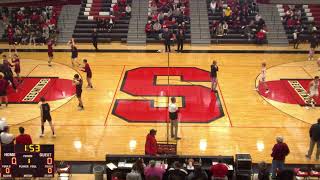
x=8, y=74
x=3, y=90
x=74, y=53
x=77, y=81
x=88, y=71
x=45, y=116
x=50, y=52
x=213, y=75
x=313, y=45
x=94, y=36
x=17, y=68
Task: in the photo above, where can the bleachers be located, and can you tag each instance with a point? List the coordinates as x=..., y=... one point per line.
x=168, y=11
x=93, y=10
x=310, y=19
x=236, y=32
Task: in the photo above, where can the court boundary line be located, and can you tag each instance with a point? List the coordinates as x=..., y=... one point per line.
x=306, y=72
x=225, y=106
x=114, y=95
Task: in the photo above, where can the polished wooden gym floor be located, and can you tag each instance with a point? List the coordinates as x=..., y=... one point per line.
x=250, y=125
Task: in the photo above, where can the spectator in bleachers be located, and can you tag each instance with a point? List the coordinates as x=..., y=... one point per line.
x=219, y=171
x=176, y=172
x=153, y=172
x=128, y=10
x=23, y=138
x=214, y=26
x=156, y=29
x=94, y=37
x=314, y=134
x=198, y=173
x=219, y=31
x=227, y=14
x=225, y=27
x=261, y=36
x=213, y=6
x=6, y=137
x=110, y=25
x=279, y=152
x=134, y=174
x=296, y=39
x=151, y=147
x=263, y=173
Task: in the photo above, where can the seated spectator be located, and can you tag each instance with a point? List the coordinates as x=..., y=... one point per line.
x=128, y=10
x=261, y=35
x=148, y=27
x=291, y=23
x=263, y=173
x=153, y=172
x=110, y=25
x=156, y=29
x=3, y=123
x=213, y=6
x=6, y=137
x=137, y=171
x=151, y=147
x=227, y=14
x=219, y=31
x=214, y=27
x=225, y=27
x=198, y=173
x=177, y=172
x=219, y=171
x=23, y=138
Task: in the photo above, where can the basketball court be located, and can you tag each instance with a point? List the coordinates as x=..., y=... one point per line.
x=131, y=92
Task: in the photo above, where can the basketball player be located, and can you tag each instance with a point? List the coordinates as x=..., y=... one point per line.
x=262, y=80
x=3, y=90
x=318, y=63
x=213, y=75
x=77, y=81
x=8, y=74
x=173, y=115
x=45, y=116
x=313, y=91
x=74, y=53
x=88, y=71
x=17, y=69
x=50, y=52
x=313, y=45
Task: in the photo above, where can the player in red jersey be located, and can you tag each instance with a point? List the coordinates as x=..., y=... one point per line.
x=88, y=71
x=16, y=63
x=50, y=52
x=3, y=90
x=10, y=37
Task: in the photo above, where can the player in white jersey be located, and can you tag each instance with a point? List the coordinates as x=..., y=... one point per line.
x=263, y=76
x=313, y=90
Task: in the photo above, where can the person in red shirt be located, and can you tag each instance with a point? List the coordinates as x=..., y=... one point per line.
x=261, y=35
x=151, y=143
x=17, y=69
x=3, y=90
x=279, y=153
x=23, y=138
x=88, y=71
x=219, y=171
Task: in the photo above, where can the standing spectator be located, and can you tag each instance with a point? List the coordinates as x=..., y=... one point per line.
x=314, y=134
x=177, y=172
x=6, y=137
x=23, y=138
x=263, y=173
x=198, y=173
x=94, y=36
x=152, y=172
x=180, y=40
x=3, y=123
x=173, y=116
x=279, y=152
x=296, y=42
x=167, y=35
x=219, y=171
x=151, y=147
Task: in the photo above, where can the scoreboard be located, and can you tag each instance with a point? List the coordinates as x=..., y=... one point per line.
x=33, y=160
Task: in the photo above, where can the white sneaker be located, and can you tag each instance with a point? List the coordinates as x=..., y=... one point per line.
x=267, y=91
x=307, y=107
x=41, y=135
x=54, y=136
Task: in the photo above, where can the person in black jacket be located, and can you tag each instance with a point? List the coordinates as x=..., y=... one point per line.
x=167, y=35
x=314, y=133
x=180, y=40
x=95, y=38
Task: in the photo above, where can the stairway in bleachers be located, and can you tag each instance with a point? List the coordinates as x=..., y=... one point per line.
x=91, y=11
x=315, y=12
x=67, y=21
